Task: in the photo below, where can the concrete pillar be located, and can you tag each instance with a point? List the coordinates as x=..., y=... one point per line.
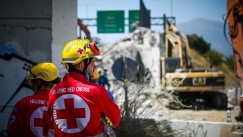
x=31, y=32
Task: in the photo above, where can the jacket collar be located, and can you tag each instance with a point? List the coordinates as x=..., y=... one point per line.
x=75, y=76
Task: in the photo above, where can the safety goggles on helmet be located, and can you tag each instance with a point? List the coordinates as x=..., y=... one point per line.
x=93, y=47
x=45, y=71
x=77, y=50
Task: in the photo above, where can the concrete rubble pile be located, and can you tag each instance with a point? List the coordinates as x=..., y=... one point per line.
x=128, y=59
x=233, y=94
x=137, y=52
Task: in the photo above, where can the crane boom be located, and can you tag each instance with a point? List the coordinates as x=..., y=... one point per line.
x=84, y=28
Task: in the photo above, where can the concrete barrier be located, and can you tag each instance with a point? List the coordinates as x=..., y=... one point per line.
x=207, y=129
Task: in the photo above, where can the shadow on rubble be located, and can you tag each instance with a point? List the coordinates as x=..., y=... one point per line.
x=196, y=105
x=200, y=101
x=130, y=127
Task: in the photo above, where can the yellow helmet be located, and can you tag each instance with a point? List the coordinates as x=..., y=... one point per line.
x=99, y=70
x=77, y=50
x=96, y=74
x=46, y=71
x=105, y=68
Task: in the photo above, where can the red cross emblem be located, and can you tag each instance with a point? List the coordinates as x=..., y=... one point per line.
x=38, y=122
x=80, y=50
x=71, y=111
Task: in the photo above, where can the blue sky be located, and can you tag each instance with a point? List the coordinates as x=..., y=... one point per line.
x=182, y=10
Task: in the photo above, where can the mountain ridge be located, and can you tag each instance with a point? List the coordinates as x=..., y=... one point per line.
x=211, y=31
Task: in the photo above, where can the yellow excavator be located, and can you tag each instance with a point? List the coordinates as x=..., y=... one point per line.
x=201, y=87
x=235, y=23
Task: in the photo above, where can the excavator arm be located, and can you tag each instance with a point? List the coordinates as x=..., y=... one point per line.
x=235, y=23
x=177, y=45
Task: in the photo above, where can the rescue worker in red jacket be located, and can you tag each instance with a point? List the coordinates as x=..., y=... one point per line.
x=26, y=119
x=95, y=79
x=76, y=104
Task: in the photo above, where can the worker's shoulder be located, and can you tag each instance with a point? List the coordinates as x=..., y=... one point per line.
x=25, y=100
x=95, y=86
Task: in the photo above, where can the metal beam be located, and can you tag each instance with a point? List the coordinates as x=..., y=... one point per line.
x=156, y=21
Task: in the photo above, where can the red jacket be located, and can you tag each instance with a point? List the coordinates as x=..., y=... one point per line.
x=78, y=105
x=26, y=119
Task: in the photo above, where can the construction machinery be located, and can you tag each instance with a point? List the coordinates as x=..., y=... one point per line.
x=201, y=87
x=235, y=23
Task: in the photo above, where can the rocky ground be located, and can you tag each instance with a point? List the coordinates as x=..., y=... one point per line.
x=211, y=115
x=206, y=115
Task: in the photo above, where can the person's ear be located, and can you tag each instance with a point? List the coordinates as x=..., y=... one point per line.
x=81, y=65
x=38, y=82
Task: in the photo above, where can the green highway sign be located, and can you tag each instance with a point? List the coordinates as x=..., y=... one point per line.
x=110, y=21
x=134, y=15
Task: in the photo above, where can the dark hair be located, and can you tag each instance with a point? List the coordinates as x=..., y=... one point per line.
x=50, y=83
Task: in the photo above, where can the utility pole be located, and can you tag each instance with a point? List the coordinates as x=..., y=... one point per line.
x=125, y=86
x=87, y=8
x=171, y=7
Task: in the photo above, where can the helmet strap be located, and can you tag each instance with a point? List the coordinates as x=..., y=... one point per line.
x=86, y=64
x=87, y=61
